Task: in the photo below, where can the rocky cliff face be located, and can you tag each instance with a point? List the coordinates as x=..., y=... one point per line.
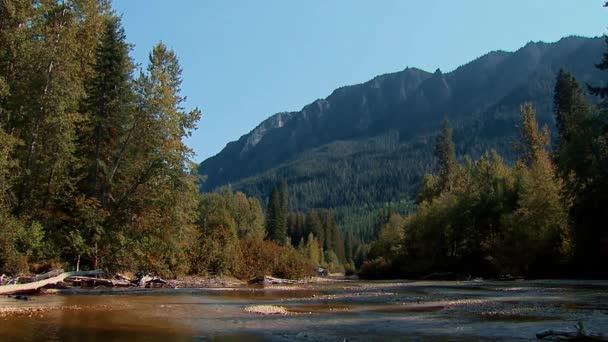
x=373, y=141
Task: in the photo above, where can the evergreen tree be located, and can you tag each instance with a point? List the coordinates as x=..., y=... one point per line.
x=446, y=156
x=161, y=186
x=276, y=218
x=103, y=168
x=282, y=214
x=575, y=132
x=585, y=159
x=569, y=106
x=314, y=225
x=271, y=212
x=109, y=104
x=601, y=91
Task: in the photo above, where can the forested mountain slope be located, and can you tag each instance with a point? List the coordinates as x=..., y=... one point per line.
x=372, y=143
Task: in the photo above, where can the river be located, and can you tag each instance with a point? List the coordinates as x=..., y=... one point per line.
x=329, y=311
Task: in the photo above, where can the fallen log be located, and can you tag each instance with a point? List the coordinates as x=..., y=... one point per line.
x=98, y=281
x=34, y=286
x=157, y=280
x=47, y=275
x=579, y=333
x=119, y=276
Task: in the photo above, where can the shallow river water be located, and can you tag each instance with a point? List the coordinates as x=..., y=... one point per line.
x=337, y=310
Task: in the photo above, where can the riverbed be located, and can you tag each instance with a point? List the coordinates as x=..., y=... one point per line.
x=341, y=310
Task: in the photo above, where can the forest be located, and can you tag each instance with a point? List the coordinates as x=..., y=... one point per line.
x=94, y=173
x=541, y=217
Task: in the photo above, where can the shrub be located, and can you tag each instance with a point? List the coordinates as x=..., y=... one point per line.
x=261, y=257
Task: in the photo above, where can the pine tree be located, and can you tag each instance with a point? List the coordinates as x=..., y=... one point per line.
x=277, y=214
x=109, y=104
x=446, y=157
x=569, y=106
x=282, y=214
x=587, y=163
x=272, y=210
x=158, y=183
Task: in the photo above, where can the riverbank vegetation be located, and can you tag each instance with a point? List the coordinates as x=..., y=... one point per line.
x=93, y=169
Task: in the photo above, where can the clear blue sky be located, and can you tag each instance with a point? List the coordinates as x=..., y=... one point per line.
x=244, y=60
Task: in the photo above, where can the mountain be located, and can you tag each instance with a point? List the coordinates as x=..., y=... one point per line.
x=372, y=143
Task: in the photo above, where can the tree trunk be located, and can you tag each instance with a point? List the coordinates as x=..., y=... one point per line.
x=34, y=286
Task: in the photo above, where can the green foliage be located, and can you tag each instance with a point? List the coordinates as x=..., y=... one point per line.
x=492, y=220
x=20, y=243
x=248, y=215
x=446, y=156
x=277, y=215
x=390, y=239
x=218, y=250
x=582, y=160
x=311, y=250
x=332, y=262
x=267, y=257
x=109, y=105
x=86, y=150
x=376, y=268
x=603, y=65
x=570, y=108
x=231, y=241
x=532, y=143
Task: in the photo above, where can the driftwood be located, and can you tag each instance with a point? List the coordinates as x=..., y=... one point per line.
x=147, y=280
x=34, y=286
x=268, y=280
x=78, y=278
x=579, y=333
x=47, y=275
x=6, y=280
x=143, y=280
x=98, y=281
x=119, y=276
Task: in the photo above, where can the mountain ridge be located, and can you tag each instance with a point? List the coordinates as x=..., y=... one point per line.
x=403, y=109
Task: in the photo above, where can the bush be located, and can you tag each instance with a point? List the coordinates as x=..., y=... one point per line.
x=17, y=244
x=377, y=268
x=261, y=257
